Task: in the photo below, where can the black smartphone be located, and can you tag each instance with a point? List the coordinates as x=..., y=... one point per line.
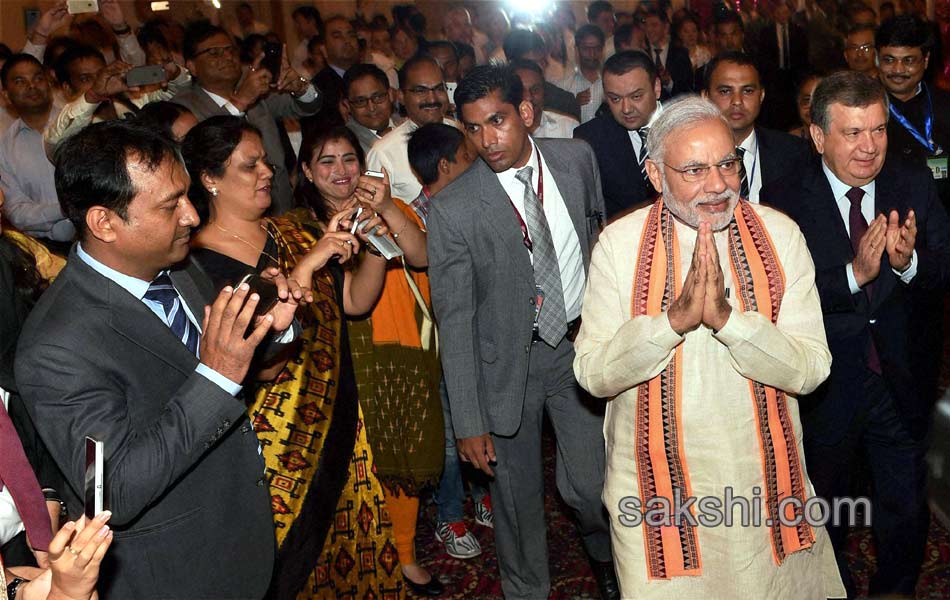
x=94, y=492
x=271, y=61
x=146, y=75
x=266, y=289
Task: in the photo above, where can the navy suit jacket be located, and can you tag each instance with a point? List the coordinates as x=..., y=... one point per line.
x=781, y=154
x=904, y=320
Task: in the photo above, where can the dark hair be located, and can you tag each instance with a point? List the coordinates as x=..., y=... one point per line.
x=92, y=169
x=207, y=149
x=28, y=283
x=858, y=27
x=197, y=32
x=683, y=20
x=729, y=56
x=306, y=192
x=412, y=63
x=309, y=13
x=361, y=70
x=519, y=42
x=428, y=145
x=905, y=30
x=465, y=50
x=55, y=49
x=160, y=116
x=656, y=12
x=727, y=16
x=5, y=52
x=151, y=33
x=527, y=65
x=429, y=46
x=585, y=31
x=72, y=55
x=248, y=55
x=313, y=42
x=623, y=35
x=594, y=9
x=485, y=79
x=15, y=60
x=848, y=88
x=625, y=61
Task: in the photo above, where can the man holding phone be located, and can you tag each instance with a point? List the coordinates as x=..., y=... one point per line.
x=153, y=369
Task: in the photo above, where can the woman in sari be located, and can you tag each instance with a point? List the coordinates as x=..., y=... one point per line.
x=333, y=538
x=395, y=354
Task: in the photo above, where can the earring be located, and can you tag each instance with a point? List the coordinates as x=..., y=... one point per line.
x=214, y=191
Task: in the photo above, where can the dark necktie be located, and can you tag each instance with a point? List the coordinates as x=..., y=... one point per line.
x=784, y=59
x=552, y=320
x=162, y=291
x=642, y=158
x=857, y=227
x=744, y=177
x=17, y=475
x=659, y=61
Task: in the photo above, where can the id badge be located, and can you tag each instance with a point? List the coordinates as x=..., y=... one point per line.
x=938, y=166
x=538, y=301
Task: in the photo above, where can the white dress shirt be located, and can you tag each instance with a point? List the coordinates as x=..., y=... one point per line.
x=753, y=166
x=221, y=101
x=567, y=246
x=840, y=190
x=634, y=134
x=556, y=125
x=392, y=152
x=576, y=83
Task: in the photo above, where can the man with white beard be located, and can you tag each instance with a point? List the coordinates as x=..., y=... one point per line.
x=702, y=324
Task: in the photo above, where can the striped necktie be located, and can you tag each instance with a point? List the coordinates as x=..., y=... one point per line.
x=642, y=159
x=744, y=181
x=162, y=291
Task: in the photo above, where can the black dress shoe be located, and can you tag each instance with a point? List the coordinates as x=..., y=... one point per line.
x=606, y=579
x=431, y=588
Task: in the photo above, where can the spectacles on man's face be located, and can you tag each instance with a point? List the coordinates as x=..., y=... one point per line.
x=362, y=101
x=421, y=90
x=217, y=51
x=863, y=48
x=694, y=173
x=909, y=62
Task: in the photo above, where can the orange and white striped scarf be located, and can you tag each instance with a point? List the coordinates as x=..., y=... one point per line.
x=674, y=550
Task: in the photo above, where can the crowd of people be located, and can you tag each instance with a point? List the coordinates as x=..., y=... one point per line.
x=296, y=289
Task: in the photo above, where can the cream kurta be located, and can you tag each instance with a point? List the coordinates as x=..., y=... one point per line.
x=720, y=441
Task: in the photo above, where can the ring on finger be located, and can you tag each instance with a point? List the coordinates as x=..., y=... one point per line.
x=72, y=551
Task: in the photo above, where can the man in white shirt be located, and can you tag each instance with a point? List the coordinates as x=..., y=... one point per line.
x=546, y=123
x=422, y=92
x=457, y=27
x=585, y=82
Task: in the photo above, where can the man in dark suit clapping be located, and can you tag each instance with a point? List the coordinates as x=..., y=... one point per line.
x=880, y=240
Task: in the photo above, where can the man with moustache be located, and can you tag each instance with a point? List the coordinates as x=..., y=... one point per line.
x=732, y=83
x=703, y=382
x=546, y=123
x=881, y=244
x=618, y=136
x=919, y=125
x=423, y=93
x=509, y=241
x=585, y=82
x=859, y=50
x=369, y=102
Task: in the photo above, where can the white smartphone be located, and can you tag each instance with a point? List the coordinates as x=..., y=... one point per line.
x=450, y=87
x=94, y=501
x=78, y=7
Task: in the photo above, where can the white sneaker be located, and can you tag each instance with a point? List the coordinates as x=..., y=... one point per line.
x=459, y=541
x=484, y=515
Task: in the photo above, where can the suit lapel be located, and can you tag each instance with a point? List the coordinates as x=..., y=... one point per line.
x=501, y=216
x=206, y=104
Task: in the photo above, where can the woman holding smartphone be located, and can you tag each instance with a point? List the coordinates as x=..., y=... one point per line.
x=304, y=406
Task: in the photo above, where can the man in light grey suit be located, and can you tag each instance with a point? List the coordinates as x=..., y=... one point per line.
x=220, y=88
x=509, y=245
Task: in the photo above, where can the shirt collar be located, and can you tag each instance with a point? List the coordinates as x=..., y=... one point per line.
x=508, y=177
x=750, y=143
x=220, y=101
x=132, y=285
x=338, y=70
x=840, y=188
x=656, y=113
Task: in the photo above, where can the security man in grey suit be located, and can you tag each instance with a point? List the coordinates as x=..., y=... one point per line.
x=124, y=347
x=220, y=88
x=509, y=244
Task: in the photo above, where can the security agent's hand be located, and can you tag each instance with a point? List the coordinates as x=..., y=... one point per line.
x=900, y=239
x=478, y=450
x=223, y=345
x=867, y=263
x=686, y=312
x=716, y=309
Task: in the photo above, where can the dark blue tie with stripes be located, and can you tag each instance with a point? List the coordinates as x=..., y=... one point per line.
x=162, y=291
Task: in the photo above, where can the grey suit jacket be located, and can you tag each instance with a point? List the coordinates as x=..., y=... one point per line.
x=184, y=481
x=482, y=283
x=262, y=115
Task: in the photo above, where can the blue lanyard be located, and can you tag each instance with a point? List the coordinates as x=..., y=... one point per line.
x=927, y=139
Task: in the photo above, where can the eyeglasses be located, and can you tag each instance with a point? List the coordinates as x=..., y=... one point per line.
x=909, y=62
x=217, y=51
x=694, y=173
x=377, y=98
x=421, y=90
x=863, y=48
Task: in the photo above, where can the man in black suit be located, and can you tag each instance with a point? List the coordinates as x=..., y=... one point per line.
x=112, y=351
x=618, y=136
x=672, y=62
x=521, y=44
x=783, y=59
x=343, y=51
x=732, y=83
x=881, y=244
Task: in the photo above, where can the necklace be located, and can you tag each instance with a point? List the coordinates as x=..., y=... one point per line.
x=240, y=239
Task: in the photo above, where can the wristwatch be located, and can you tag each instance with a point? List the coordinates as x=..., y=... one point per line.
x=14, y=586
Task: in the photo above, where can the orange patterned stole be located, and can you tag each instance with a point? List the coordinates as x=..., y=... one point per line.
x=672, y=549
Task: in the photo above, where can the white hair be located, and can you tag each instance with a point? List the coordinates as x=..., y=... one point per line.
x=680, y=113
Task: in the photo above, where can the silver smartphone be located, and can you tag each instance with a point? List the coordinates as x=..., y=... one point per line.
x=78, y=7
x=94, y=501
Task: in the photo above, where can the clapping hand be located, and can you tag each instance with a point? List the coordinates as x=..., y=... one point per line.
x=867, y=261
x=899, y=240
